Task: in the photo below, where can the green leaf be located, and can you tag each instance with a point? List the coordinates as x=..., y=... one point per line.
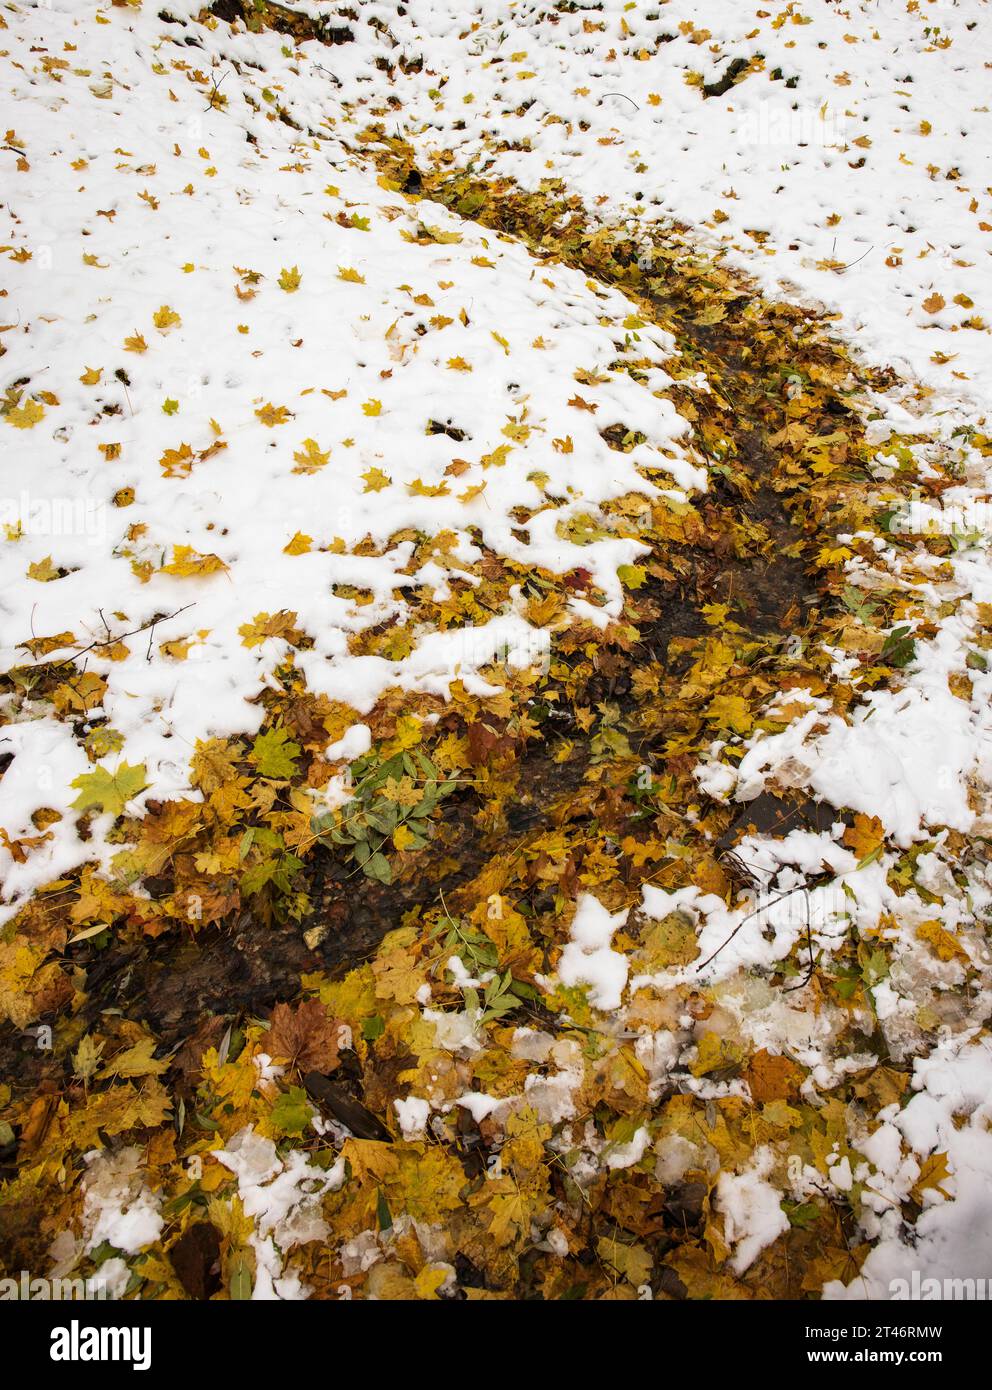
x=856, y=602
x=291, y=1112
x=801, y=1214
x=240, y=1283
x=899, y=649
x=258, y=876
x=874, y=965
x=274, y=754
x=109, y=791
x=378, y=867
x=373, y=1027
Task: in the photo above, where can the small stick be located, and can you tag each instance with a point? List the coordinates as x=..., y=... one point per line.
x=809, y=942
x=801, y=888
x=105, y=642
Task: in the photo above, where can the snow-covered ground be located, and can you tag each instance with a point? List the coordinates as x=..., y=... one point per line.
x=226, y=344
x=851, y=164
x=230, y=357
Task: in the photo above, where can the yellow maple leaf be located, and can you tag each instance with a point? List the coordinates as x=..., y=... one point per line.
x=43, y=570
x=272, y=415
x=510, y=1211
x=933, y=1172
x=187, y=563
x=91, y=376
x=418, y=488
x=403, y=837
x=372, y=407
x=310, y=457
x=398, y=976
x=370, y=1159
x=497, y=458
x=429, y=1183
x=865, y=836
x=441, y=237
x=730, y=712
x=828, y=555
x=633, y=1262
x=375, y=480
x=165, y=318
x=26, y=416
x=289, y=280
x=945, y=945
x=177, y=463
x=301, y=544
x=138, y=1060
x=429, y=1280
x=213, y=763
x=135, y=343
x=714, y=1053
x=177, y=649
x=347, y=272
x=263, y=625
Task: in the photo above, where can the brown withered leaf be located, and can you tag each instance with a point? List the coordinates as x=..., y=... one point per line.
x=306, y=1037
x=196, y=1259
x=772, y=1078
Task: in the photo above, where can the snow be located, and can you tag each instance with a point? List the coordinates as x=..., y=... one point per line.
x=413, y=1114
x=949, y=1242
x=351, y=745
x=118, y=1207
x=752, y=1212
x=281, y=1193
x=478, y=1104
x=588, y=959
x=905, y=757
x=626, y=1155
x=190, y=207
x=456, y=1031
x=870, y=151
x=282, y=1196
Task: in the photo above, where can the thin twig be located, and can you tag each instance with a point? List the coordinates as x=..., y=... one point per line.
x=109, y=640
x=809, y=942
x=801, y=888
